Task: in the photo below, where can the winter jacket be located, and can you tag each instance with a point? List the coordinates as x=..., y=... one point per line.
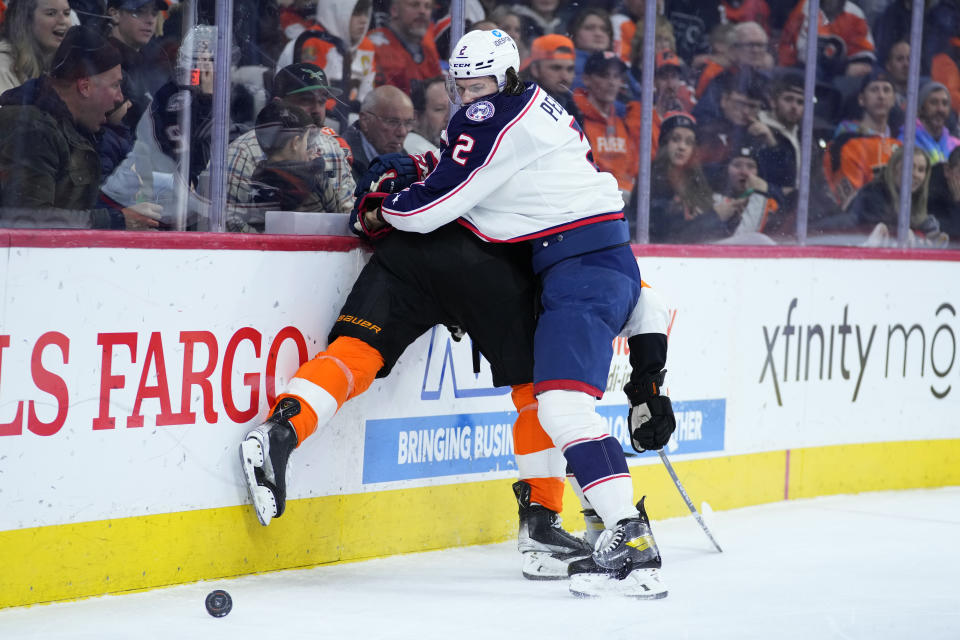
x=49, y=167
x=8, y=78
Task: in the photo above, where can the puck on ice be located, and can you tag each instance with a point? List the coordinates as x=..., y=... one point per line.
x=219, y=603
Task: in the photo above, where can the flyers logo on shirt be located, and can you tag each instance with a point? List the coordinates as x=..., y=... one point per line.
x=480, y=111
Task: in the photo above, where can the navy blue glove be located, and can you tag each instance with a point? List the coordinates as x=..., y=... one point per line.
x=388, y=173
x=393, y=172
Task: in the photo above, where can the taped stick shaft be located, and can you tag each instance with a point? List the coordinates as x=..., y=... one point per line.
x=686, y=498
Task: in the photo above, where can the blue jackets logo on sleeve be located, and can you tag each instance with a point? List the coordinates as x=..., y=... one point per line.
x=480, y=111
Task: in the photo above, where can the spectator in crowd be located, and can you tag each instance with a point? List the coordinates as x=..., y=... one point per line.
x=386, y=117
x=305, y=87
x=348, y=20
x=671, y=91
x=749, y=47
x=134, y=25
x=510, y=21
x=431, y=104
x=897, y=66
x=681, y=201
x=540, y=17
x=944, y=195
x=742, y=96
x=844, y=43
x=739, y=11
x=933, y=112
x=625, y=19
x=941, y=23
x=402, y=56
x=48, y=156
x=30, y=34
x=664, y=44
x=945, y=69
x=551, y=66
x=860, y=148
x=749, y=195
x=605, y=120
x=288, y=178
x=876, y=207
x=719, y=57
x=591, y=32
x=779, y=128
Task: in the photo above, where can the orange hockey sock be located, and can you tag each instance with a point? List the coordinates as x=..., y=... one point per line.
x=346, y=369
x=533, y=446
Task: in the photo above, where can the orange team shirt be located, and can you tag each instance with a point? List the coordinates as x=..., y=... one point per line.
x=850, y=26
x=945, y=71
x=614, y=144
x=749, y=11
x=710, y=71
x=396, y=66
x=860, y=158
x=623, y=31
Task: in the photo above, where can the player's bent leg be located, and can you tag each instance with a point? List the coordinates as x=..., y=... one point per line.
x=313, y=396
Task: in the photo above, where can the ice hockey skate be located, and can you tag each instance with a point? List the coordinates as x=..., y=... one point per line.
x=547, y=549
x=625, y=562
x=263, y=454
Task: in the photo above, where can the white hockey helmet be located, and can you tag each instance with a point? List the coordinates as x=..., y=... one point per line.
x=484, y=53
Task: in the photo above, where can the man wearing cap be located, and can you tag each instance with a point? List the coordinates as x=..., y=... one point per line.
x=551, y=65
x=779, y=158
x=757, y=206
x=861, y=147
x=605, y=120
x=134, y=25
x=303, y=85
x=933, y=111
x=672, y=91
x=48, y=159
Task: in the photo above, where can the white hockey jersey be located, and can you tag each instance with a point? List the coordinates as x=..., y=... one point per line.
x=514, y=168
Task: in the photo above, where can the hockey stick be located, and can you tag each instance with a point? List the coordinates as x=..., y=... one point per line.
x=686, y=498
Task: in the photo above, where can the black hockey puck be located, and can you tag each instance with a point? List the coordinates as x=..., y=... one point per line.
x=219, y=603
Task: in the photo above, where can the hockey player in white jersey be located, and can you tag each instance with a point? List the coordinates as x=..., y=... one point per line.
x=517, y=168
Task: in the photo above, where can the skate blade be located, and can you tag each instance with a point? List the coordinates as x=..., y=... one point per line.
x=642, y=584
x=251, y=458
x=542, y=565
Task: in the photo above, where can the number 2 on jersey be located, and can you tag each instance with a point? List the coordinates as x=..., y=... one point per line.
x=465, y=145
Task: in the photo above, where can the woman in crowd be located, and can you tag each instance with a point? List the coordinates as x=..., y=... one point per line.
x=31, y=32
x=591, y=31
x=682, y=207
x=876, y=206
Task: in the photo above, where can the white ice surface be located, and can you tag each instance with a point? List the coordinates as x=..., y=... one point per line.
x=871, y=566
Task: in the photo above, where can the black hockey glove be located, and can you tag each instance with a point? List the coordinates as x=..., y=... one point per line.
x=651, y=414
x=370, y=203
x=393, y=172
